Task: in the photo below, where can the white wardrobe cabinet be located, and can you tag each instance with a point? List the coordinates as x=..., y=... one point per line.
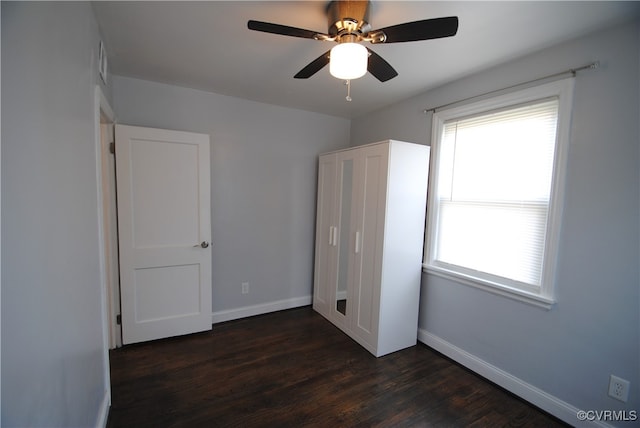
x=369, y=240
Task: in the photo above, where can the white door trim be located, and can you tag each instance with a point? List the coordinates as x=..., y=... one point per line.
x=102, y=109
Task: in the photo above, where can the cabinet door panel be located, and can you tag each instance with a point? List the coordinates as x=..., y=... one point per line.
x=341, y=304
x=325, y=263
x=372, y=176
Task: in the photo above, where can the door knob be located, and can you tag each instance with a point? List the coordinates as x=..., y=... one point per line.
x=203, y=244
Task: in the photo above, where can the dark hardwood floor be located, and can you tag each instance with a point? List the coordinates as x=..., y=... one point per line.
x=292, y=369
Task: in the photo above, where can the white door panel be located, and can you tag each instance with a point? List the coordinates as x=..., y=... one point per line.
x=168, y=217
x=163, y=215
x=370, y=229
x=326, y=236
x=166, y=292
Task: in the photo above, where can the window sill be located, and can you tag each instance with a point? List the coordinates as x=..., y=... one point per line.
x=501, y=290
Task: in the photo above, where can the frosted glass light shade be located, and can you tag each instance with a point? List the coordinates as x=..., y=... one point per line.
x=348, y=61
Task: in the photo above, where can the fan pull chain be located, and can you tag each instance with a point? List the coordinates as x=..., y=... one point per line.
x=348, y=83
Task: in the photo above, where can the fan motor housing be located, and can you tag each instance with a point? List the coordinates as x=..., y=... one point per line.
x=348, y=17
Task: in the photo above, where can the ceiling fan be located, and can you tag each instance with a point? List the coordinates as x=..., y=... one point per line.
x=348, y=22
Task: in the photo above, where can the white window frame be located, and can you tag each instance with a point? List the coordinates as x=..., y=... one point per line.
x=542, y=296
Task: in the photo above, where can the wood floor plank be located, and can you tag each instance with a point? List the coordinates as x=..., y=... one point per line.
x=293, y=369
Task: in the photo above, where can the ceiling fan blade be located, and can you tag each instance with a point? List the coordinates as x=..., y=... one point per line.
x=379, y=68
x=419, y=30
x=314, y=66
x=268, y=27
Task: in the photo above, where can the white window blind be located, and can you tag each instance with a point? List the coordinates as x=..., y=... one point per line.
x=495, y=173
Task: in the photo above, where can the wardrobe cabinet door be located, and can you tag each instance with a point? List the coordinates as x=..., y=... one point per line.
x=341, y=305
x=368, y=241
x=326, y=235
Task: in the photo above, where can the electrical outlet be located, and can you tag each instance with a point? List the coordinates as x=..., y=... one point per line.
x=618, y=388
x=245, y=288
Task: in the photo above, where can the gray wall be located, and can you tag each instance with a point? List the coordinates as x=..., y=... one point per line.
x=593, y=331
x=52, y=338
x=263, y=183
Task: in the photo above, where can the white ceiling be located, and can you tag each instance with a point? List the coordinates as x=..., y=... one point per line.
x=207, y=46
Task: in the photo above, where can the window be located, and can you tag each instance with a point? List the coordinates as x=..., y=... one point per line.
x=495, y=194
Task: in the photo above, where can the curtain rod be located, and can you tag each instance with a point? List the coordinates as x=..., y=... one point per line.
x=571, y=71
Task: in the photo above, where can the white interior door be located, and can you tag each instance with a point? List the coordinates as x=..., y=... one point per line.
x=164, y=232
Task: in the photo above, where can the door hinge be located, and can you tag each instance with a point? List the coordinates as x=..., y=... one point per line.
x=112, y=148
x=119, y=319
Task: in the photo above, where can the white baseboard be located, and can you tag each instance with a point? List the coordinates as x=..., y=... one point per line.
x=103, y=413
x=547, y=402
x=264, y=308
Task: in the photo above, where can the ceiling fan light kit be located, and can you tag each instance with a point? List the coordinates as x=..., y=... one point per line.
x=348, y=22
x=348, y=61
